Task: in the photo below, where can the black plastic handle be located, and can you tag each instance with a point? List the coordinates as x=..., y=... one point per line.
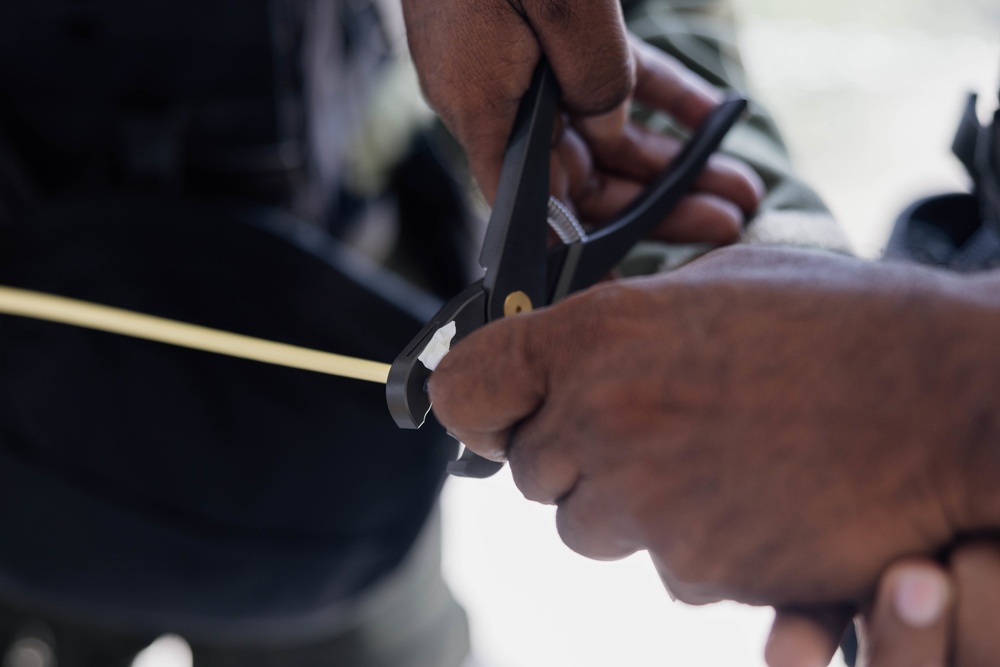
x=589, y=261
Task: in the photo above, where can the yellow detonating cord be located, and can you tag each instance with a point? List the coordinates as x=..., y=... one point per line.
x=41, y=306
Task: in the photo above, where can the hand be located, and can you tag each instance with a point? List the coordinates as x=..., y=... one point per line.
x=774, y=426
x=923, y=614
x=475, y=62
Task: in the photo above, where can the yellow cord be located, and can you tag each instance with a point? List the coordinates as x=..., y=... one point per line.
x=41, y=306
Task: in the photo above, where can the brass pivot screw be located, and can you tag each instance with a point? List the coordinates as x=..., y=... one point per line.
x=516, y=302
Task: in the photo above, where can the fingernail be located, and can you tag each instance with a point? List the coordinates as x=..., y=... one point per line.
x=920, y=597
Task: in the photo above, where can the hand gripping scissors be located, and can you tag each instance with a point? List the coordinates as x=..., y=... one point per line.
x=521, y=271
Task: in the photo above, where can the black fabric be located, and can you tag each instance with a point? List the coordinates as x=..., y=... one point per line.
x=92, y=89
x=257, y=99
x=960, y=231
x=435, y=226
x=143, y=477
x=978, y=148
x=946, y=231
x=157, y=486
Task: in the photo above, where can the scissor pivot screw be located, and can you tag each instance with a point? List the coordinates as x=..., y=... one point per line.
x=516, y=302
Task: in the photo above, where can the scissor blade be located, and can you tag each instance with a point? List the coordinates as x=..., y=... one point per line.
x=514, y=249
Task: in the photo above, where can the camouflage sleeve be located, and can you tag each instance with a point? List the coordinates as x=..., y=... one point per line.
x=702, y=35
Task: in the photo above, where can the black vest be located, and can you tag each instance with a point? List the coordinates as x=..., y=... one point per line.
x=960, y=231
x=255, y=99
x=156, y=152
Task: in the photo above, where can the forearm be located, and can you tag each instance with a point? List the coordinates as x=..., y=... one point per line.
x=972, y=360
x=957, y=316
x=939, y=382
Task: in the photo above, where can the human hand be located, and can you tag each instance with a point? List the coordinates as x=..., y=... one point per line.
x=774, y=426
x=922, y=614
x=475, y=62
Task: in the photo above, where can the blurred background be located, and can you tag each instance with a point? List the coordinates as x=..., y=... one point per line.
x=868, y=93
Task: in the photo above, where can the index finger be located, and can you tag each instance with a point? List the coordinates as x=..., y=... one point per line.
x=664, y=84
x=487, y=384
x=910, y=621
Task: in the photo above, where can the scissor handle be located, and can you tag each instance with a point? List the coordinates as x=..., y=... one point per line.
x=605, y=248
x=406, y=386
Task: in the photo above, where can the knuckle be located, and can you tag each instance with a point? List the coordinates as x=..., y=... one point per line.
x=558, y=14
x=684, y=575
x=542, y=474
x=605, y=75
x=587, y=525
x=974, y=558
x=690, y=568
x=601, y=88
x=578, y=530
x=571, y=530
x=686, y=592
x=724, y=223
x=736, y=180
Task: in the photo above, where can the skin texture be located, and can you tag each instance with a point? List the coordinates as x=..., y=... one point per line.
x=475, y=62
x=774, y=426
x=975, y=571
x=805, y=637
x=651, y=451
x=923, y=613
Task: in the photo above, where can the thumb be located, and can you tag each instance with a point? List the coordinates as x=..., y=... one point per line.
x=475, y=62
x=908, y=624
x=587, y=46
x=487, y=384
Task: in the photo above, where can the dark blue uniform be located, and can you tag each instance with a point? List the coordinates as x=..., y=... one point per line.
x=185, y=158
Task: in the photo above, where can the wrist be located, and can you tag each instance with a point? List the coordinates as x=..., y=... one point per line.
x=970, y=390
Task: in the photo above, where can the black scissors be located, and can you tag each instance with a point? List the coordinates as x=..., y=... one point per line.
x=522, y=272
